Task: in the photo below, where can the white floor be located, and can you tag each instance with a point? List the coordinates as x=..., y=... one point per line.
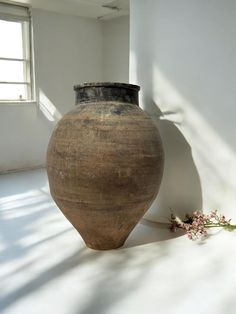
x=46, y=268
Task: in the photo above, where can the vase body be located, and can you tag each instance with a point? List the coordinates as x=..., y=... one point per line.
x=105, y=163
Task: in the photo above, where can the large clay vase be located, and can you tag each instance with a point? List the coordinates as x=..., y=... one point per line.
x=105, y=163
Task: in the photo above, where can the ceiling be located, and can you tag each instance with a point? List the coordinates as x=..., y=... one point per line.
x=100, y=9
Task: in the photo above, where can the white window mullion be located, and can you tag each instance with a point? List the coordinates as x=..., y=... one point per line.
x=12, y=59
x=26, y=56
x=15, y=83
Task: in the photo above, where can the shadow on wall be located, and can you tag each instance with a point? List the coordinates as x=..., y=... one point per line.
x=183, y=64
x=180, y=190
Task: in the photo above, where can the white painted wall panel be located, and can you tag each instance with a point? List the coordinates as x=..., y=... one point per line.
x=183, y=56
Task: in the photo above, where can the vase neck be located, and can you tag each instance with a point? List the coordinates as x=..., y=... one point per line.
x=114, y=92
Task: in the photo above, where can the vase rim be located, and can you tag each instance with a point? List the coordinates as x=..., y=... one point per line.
x=107, y=84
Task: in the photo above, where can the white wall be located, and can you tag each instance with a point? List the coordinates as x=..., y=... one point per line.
x=68, y=50
x=183, y=56
x=116, y=49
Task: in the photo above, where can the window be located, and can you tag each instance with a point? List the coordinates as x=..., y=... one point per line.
x=15, y=53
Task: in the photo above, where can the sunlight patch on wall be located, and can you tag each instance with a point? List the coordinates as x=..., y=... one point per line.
x=214, y=158
x=133, y=67
x=48, y=108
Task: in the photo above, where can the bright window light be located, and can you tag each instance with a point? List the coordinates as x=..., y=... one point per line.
x=15, y=54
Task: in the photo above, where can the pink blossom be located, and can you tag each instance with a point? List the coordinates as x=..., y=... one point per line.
x=196, y=225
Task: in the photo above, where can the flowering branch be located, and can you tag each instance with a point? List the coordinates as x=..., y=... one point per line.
x=196, y=225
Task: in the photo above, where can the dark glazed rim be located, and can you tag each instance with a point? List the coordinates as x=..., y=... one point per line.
x=107, y=84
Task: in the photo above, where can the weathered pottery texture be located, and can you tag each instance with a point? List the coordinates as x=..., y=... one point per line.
x=105, y=163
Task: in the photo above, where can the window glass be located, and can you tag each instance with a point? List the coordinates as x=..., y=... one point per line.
x=11, y=71
x=11, y=39
x=13, y=92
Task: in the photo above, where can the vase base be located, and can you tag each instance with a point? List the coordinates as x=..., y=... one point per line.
x=105, y=247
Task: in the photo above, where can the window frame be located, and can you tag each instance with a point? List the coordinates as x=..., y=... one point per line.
x=27, y=45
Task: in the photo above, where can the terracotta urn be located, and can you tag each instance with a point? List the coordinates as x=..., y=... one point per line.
x=105, y=163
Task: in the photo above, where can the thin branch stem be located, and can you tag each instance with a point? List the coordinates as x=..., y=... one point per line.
x=213, y=225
